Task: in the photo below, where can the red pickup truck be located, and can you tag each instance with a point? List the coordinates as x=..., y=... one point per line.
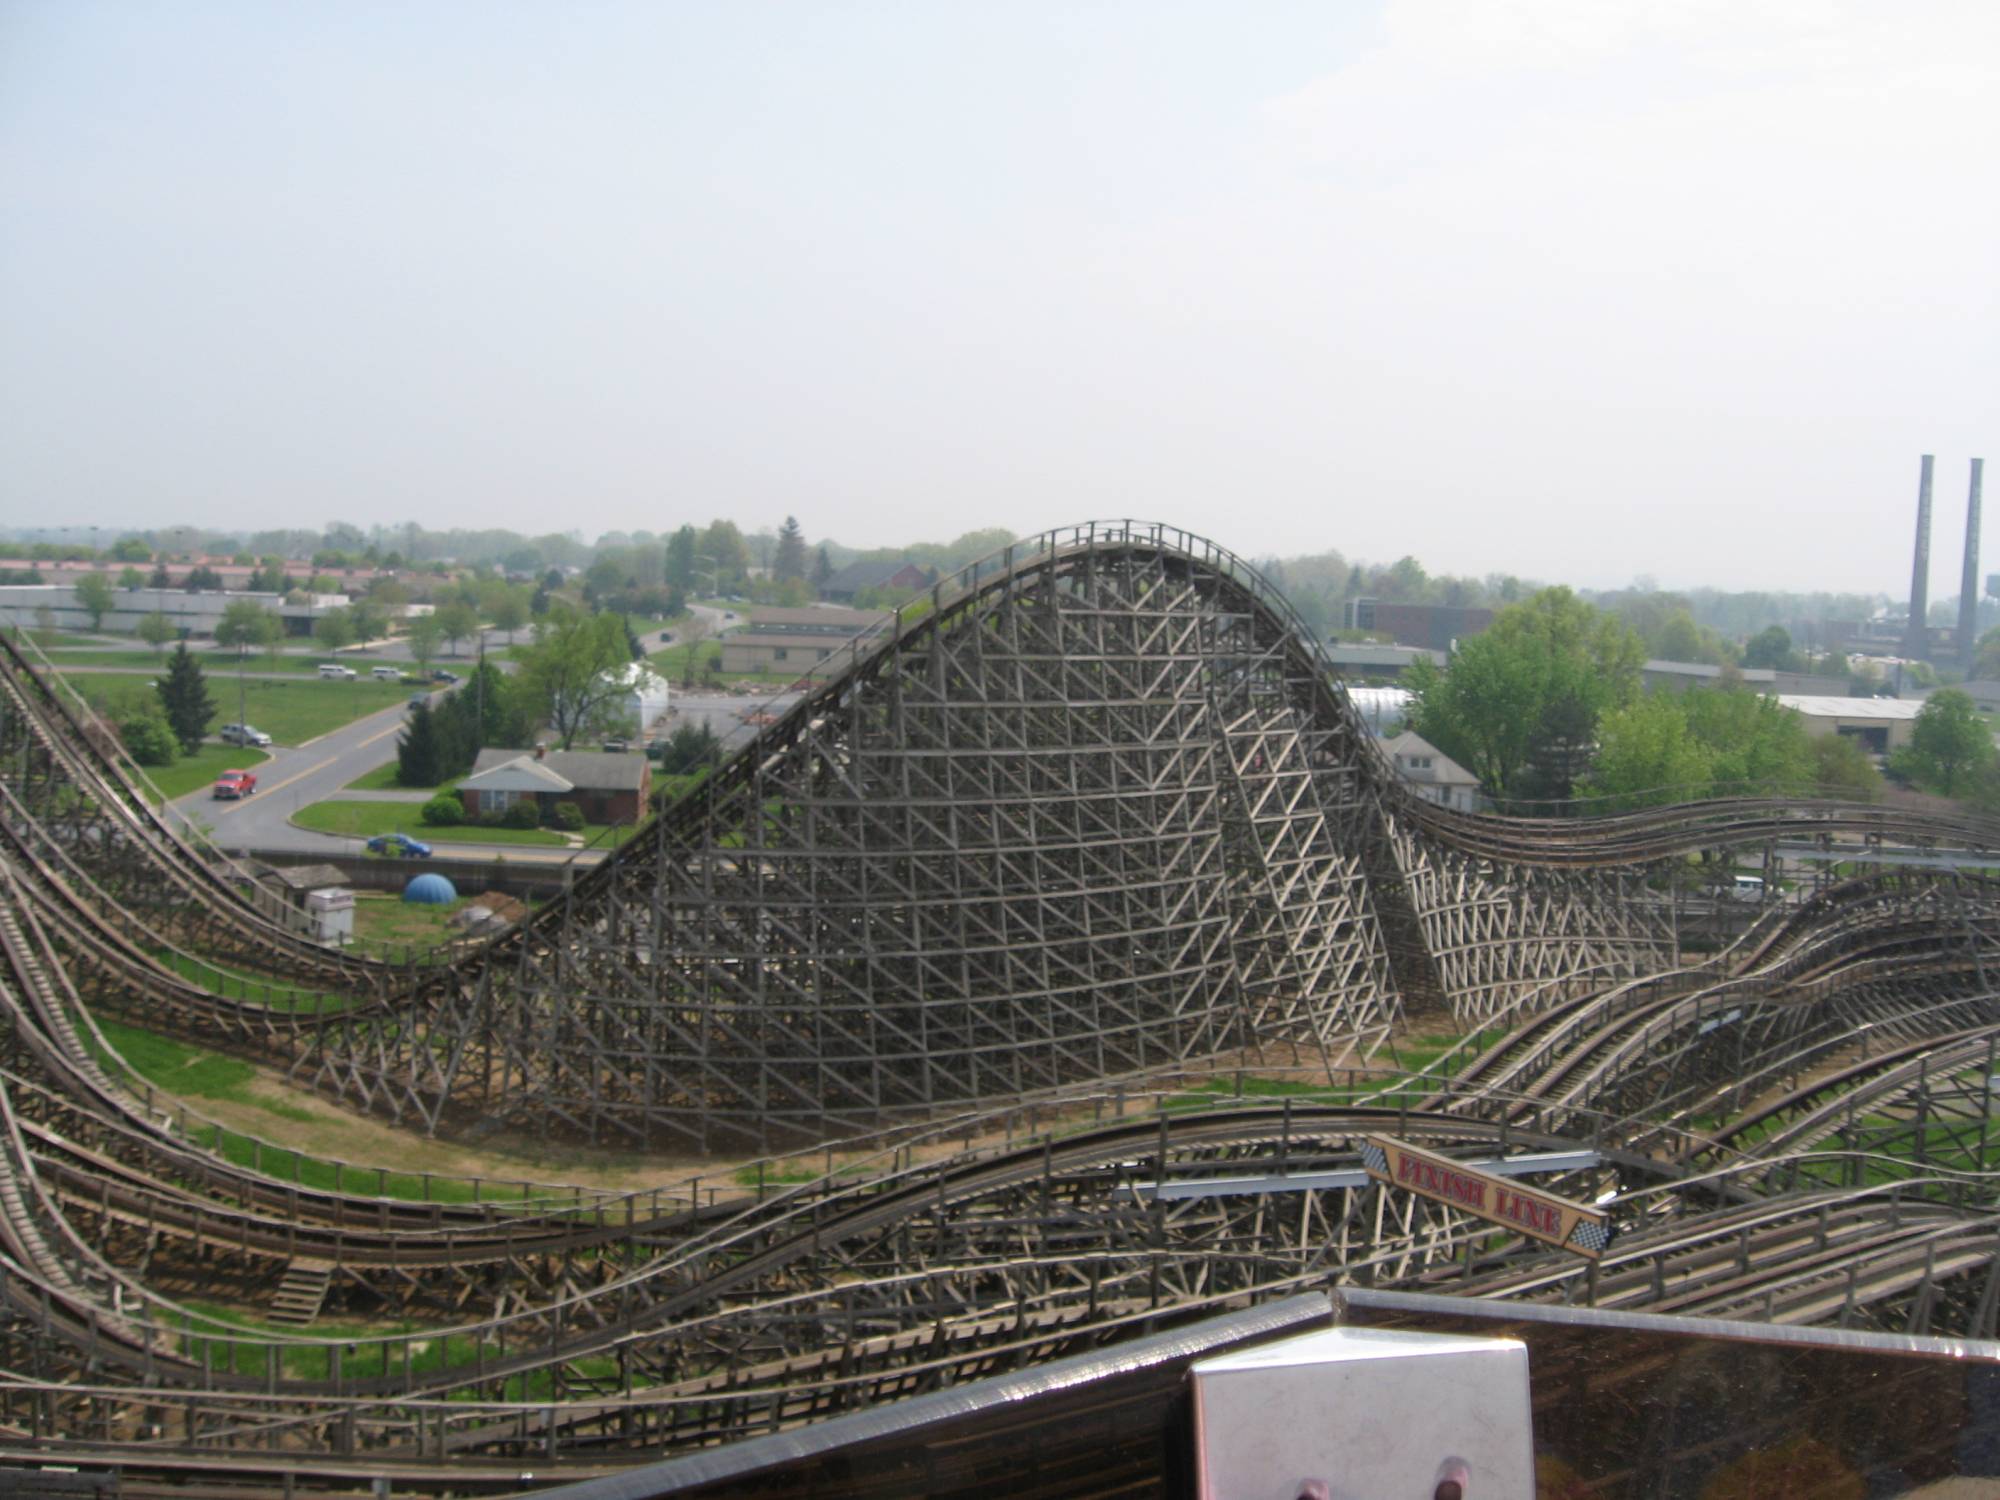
x=233, y=784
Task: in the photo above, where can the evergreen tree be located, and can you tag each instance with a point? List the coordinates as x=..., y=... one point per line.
x=681, y=559
x=184, y=697
x=822, y=569
x=790, y=561
x=418, y=762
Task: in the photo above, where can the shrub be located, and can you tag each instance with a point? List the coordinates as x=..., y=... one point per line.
x=444, y=811
x=148, y=739
x=522, y=815
x=566, y=815
x=490, y=817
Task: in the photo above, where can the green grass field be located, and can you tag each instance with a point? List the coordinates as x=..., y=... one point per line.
x=290, y=712
x=366, y=819
x=191, y=773
x=395, y=923
x=214, y=663
x=383, y=779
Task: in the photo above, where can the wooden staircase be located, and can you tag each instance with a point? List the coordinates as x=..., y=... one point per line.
x=300, y=1295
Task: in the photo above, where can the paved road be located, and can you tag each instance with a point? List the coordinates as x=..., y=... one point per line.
x=316, y=771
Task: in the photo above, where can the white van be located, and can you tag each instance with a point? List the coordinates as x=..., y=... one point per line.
x=386, y=674
x=1747, y=888
x=334, y=669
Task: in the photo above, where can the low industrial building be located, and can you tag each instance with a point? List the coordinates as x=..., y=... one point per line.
x=1380, y=708
x=1433, y=626
x=22, y=604
x=607, y=788
x=788, y=641
x=1880, y=724
x=1366, y=660
x=1766, y=680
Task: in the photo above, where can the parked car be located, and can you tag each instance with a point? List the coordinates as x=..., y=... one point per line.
x=386, y=674
x=243, y=734
x=399, y=846
x=418, y=698
x=448, y=678
x=231, y=785
x=335, y=670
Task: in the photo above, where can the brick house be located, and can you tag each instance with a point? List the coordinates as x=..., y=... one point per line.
x=608, y=788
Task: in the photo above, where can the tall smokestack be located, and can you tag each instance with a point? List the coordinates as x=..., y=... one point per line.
x=1916, y=636
x=1968, y=590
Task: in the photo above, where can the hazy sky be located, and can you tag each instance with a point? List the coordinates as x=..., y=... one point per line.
x=1574, y=288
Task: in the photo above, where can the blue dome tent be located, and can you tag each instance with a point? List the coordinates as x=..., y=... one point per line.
x=430, y=890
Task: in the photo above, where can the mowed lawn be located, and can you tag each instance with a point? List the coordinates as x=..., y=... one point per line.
x=366, y=819
x=190, y=773
x=214, y=663
x=289, y=712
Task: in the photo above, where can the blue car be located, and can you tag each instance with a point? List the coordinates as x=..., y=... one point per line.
x=399, y=846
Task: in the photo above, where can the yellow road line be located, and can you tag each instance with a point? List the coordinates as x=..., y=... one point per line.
x=279, y=786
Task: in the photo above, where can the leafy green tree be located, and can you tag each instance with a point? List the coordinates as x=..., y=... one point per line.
x=1519, y=704
x=509, y=611
x=1771, y=647
x=789, y=562
x=130, y=578
x=822, y=569
x=1986, y=657
x=94, y=596
x=1646, y=755
x=1842, y=769
x=184, y=699
x=423, y=633
x=1949, y=745
x=155, y=630
x=334, y=630
x=247, y=625
x=724, y=557
x=689, y=748
x=1756, y=744
x=368, y=619
x=148, y=738
x=457, y=621
x=569, y=673
x=131, y=549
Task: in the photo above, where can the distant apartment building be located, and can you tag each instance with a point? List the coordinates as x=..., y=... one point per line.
x=1432, y=626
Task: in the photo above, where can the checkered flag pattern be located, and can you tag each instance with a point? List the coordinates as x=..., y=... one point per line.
x=1590, y=1236
x=1374, y=1158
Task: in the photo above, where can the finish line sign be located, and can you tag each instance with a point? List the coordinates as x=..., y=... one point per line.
x=1541, y=1216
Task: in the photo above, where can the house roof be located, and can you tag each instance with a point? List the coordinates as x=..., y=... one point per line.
x=518, y=773
x=824, y=640
x=1852, y=708
x=590, y=770
x=869, y=575
x=822, y=621
x=308, y=877
x=1442, y=770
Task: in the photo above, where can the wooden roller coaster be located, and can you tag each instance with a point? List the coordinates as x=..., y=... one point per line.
x=1091, y=823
